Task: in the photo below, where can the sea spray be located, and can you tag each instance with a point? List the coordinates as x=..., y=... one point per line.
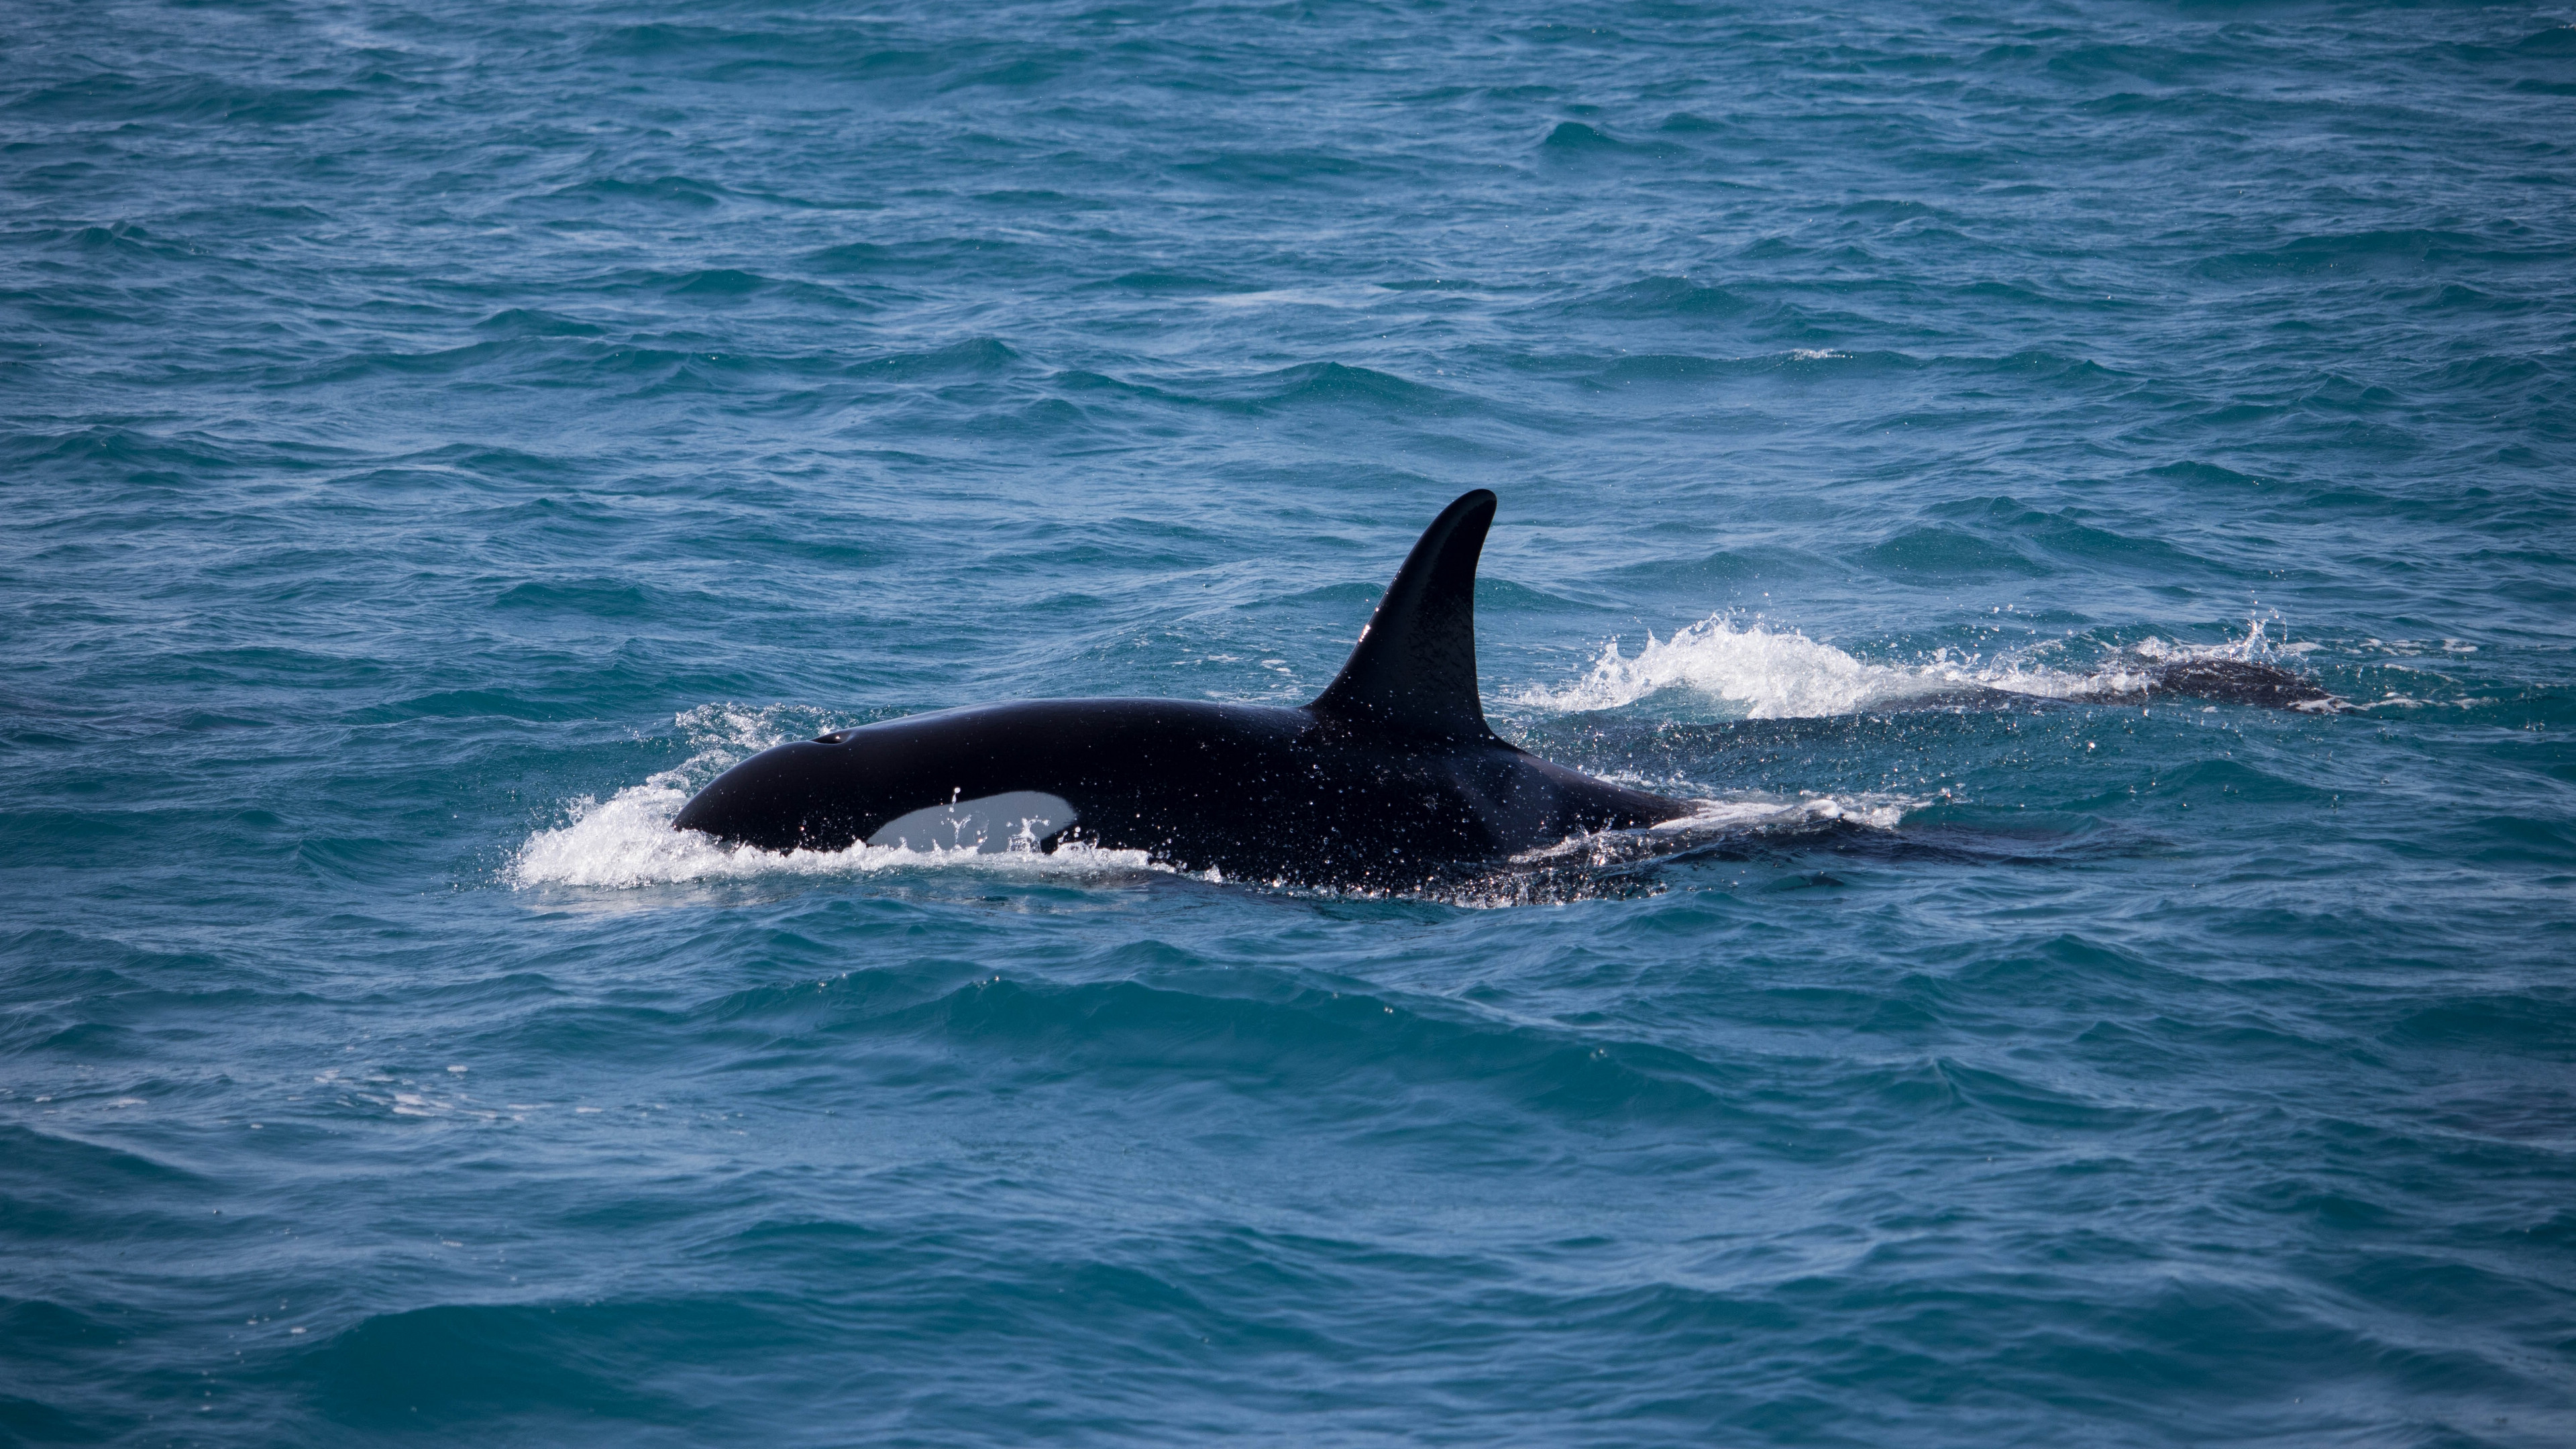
x=1750, y=669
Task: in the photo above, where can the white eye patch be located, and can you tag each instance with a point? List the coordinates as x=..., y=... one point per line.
x=1012, y=820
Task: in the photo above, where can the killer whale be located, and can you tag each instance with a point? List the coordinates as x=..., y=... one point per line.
x=1390, y=778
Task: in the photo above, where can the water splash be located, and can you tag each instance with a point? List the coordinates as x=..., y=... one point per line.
x=1754, y=671
x=1768, y=675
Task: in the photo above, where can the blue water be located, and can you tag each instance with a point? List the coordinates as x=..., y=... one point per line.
x=440, y=436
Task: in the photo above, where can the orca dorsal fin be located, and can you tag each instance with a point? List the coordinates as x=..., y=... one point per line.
x=1414, y=668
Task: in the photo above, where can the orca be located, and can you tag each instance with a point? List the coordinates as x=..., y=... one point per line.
x=2239, y=681
x=1391, y=779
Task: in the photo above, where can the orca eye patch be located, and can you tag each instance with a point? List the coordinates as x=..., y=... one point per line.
x=1014, y=819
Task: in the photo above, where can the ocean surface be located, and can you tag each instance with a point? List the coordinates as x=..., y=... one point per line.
x=437, y=437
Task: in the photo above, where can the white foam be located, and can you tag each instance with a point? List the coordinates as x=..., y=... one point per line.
x=1770, y=675
x=1765, y=673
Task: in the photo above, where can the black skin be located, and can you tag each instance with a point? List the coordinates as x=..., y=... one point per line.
x=1270, y=794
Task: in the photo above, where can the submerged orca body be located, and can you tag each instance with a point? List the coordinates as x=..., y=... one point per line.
x=2238, y=681
x=1390, y=778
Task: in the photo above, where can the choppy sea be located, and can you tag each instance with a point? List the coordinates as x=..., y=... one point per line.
x=437, y=437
